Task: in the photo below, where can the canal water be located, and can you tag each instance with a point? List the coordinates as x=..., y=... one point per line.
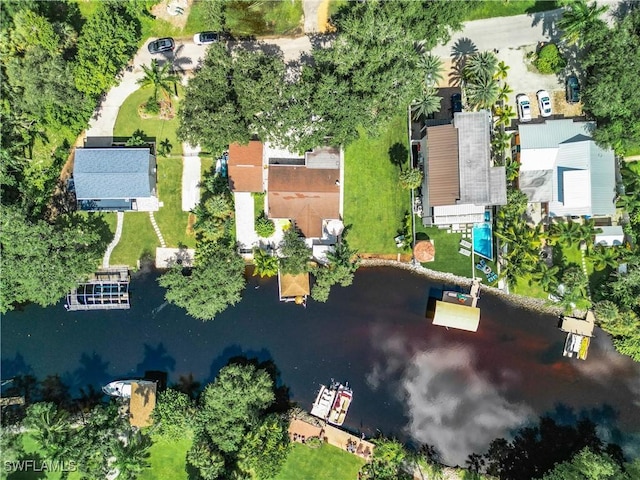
x=423, y=384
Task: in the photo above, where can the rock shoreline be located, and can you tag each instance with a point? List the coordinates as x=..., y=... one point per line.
x=529, y=303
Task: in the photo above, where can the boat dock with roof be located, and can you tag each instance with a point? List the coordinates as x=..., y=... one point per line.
x=579, y=333
x=459, y=310
x=108, y=289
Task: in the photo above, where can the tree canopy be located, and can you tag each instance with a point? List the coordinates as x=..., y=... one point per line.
x=610, y=87
x=233, y=431
x=214, y=283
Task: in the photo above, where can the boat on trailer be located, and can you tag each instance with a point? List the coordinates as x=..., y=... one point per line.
x=122, y=388
x=332, y=403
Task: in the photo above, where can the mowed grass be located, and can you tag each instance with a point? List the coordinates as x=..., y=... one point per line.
x=269, y=17
x=138, y=239
x=447, y=245
x=129, y=121
x=505, y=8
x=171, y=220
x=324, y=463
x=374, y=203
x=34, y=452
x=197, y=20
x=167, y=459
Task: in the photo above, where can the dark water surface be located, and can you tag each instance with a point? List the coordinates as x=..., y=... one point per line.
x=454, y=389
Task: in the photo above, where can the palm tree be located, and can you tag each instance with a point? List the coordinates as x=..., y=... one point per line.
x=500, y=141
x=501, y=71
x=483, y=64
x=547, y=276
x=131, y=455
x=504, y=114
x=159, y=77
x=431, y=67
x=604, y=257
x=512, y=169
x=505, y=90
x=427, y=104
x=579, y=19
x=266, y=265
x=628, y=202
x=483, y=91
x=568, y=232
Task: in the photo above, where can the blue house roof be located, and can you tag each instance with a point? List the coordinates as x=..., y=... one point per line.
x=113, y=173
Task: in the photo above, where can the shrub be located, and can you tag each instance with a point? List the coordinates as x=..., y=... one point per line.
x=549, y=59
x=152, y=107
x=264, y=227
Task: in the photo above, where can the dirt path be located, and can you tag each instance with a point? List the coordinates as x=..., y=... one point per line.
x=162, y=9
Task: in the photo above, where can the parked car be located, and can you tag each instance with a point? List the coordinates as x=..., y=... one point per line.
x=572, y=89
x=456, y=103
x=203, y=38
x=162, y=45
x=524, y=108
x=544, y=102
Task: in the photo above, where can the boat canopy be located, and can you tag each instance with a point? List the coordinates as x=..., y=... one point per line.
x=457, y=316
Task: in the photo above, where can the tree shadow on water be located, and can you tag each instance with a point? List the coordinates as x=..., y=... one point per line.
x=156, y=359
x=398, y=155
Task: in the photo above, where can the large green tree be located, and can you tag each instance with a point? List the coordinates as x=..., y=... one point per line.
x=107, y=42
x=214, y=283
x=342, y=265
x=233, y=434
x=579, y=18
x=173, y=414
x=41, y=262
x=587, y=465
x=294, y=253
x=610, y=86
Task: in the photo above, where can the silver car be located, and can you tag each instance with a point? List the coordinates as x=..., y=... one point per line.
x=524, y=108
x=544, y=102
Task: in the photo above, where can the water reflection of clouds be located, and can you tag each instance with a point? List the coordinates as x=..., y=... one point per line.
x=450, y=404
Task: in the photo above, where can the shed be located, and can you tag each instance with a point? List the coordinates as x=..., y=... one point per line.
x=610, y=236
x=457, y=316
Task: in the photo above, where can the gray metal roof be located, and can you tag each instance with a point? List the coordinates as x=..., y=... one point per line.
x=552, y=133
x=113, y=173
x=480, y=183
x=576, y=151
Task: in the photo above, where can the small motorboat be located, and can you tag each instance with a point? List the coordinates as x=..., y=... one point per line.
x=332, y=403
x=122, y=388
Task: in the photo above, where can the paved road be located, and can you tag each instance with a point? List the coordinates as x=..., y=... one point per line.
x=503, y=32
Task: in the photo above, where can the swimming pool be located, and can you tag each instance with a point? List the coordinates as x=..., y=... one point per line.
x=483, y=240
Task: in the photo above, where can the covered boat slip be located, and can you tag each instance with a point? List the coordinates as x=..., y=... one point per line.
x=142, y=403
x=458, y=316
x=107, y=290
x=579, y=333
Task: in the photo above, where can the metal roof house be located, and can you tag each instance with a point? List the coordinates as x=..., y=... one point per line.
x=115, y=179
x=459, y=178
x=561, y=165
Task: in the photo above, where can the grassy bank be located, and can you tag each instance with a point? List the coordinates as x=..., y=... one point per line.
x=319, y=464
x=505, y=8
x=374, y=203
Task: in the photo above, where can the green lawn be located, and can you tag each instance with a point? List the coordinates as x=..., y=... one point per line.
x=197, y=21
x=326, y=462
x=138, y=239
x=374, y=203
x=269, y=17
x=129, y=121
x=447, y=245
x=167, y=459
x=505, y=8
x=33, y=452
x=170, y=218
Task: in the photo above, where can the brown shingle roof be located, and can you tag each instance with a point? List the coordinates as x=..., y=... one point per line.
x=305, y=195
x=443, y=175
x=245, y=167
